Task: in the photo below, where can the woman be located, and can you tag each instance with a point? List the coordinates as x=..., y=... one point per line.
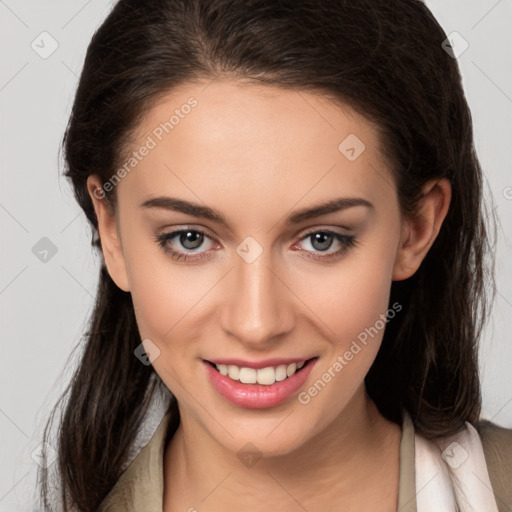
x=288, y=206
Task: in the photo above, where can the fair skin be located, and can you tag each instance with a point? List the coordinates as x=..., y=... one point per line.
x=258, y=154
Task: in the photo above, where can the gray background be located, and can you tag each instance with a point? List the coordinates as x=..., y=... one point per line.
x=45, y=304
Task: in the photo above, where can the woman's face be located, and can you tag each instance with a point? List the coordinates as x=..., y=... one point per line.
x=269, y=274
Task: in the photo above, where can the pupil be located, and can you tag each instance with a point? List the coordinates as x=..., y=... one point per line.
x=188, y=238
x=324, y=245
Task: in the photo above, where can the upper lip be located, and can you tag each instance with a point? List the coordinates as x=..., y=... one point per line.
x=259, y=364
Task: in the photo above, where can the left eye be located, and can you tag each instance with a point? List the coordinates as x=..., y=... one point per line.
x=321, y=241
x=193, y=239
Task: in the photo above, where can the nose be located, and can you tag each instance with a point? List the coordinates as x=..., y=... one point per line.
x=257, y=308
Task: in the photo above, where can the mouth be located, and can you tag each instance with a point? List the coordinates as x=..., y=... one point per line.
x=264, y=376
x=267, y=386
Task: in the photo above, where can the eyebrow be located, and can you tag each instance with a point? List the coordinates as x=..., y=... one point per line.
x=197, y=210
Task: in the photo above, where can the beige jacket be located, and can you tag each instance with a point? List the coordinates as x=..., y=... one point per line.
x=140, y=487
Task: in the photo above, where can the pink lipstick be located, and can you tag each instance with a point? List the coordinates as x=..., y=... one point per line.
x=288, y=378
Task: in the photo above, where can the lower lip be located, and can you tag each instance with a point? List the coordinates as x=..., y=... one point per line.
x=258, y=396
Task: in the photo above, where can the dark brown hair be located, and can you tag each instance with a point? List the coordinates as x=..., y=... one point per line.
x=386, y=60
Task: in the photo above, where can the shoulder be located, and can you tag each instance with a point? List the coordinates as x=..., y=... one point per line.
x=141, y=485
x=497, y=443
x=497, y=446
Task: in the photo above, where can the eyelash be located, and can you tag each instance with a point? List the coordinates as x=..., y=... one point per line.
x=347, y=241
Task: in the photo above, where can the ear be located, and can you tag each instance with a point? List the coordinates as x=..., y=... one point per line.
x=109, y=233
x=420, y=231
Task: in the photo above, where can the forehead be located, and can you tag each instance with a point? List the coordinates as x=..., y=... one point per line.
x=253, y=143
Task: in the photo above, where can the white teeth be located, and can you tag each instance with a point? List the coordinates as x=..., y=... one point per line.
x=247, y=375
x=292, y=368
x=265, y=376
x=281, y=372
x=233, y=372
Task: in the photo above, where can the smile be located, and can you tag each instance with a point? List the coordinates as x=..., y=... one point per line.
x=265, y=376
x=269, y=385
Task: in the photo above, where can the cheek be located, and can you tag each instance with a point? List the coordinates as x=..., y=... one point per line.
x=354, y=308
x=166, y=306
x=167, y=302
x=166, y=296
x=350, y=296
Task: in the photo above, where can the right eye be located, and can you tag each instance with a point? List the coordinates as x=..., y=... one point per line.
x=189, y=239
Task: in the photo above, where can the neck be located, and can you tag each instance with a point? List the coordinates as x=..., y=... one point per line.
x=355, y=461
